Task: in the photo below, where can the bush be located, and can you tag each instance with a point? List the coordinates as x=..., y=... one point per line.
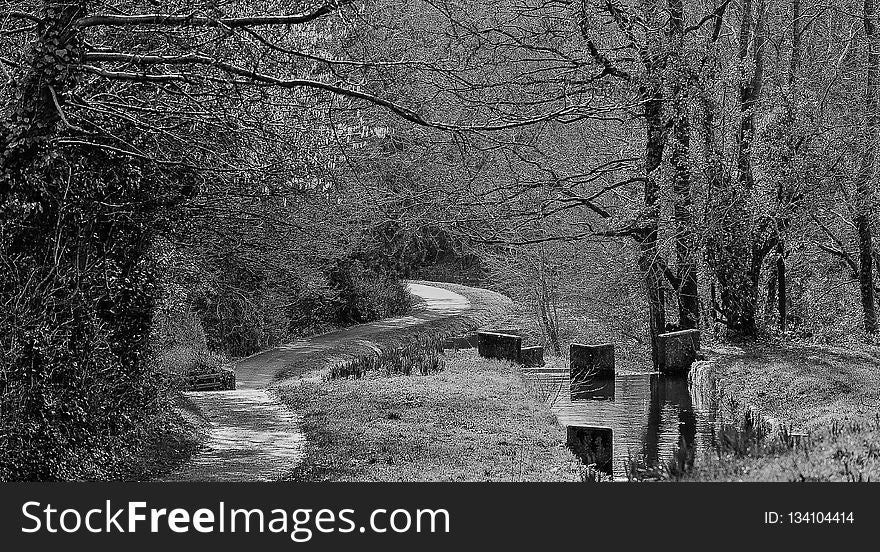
x=364, y=294
x=75, y=393
x=244, y=311
x=178, y=344
x=182, y=361
x=78, y=289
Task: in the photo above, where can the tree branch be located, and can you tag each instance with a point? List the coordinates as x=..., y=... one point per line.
x=841, y=254
x=261, y=78
x=608, y=68
x=671, y=277
x=635, y=229
x=201, y=21
x=23, y=15
x=717, y=15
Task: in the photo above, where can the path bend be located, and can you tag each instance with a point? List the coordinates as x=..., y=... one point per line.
x=252, y=436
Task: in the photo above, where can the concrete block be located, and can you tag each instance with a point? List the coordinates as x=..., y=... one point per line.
x=591, y=371
x=467, y=342
x=678, y=350
x=591, y=358
x=499, y=346
x=593, y=445
x=221, y=380
x=531, y=357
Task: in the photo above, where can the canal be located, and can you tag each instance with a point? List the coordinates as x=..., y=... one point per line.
x=634, y=421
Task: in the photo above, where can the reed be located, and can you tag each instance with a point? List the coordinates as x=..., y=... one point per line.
x=420, y=355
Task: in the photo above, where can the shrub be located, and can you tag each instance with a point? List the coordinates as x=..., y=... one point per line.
x=364, y=294
x=77, y=292
x=244, y=311
x=74, y=386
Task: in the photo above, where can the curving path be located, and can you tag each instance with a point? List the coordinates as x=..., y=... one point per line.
x=253, y=437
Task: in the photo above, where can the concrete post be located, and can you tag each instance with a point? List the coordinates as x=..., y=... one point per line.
x=531, y=357
x=591, y=371
x=499, y=346
x=678, y=350
x=593, y=445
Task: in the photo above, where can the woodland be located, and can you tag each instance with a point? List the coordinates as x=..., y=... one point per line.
x=185, y=183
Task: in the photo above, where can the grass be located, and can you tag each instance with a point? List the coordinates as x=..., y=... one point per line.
x=847, y=451
x=807, y=386
x=422, y=355
x=474, y=421
x=401, y=411
x=829, y=394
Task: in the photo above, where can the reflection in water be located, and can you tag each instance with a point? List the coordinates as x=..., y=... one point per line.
x=649, y=418
x=599, y=387
x=670, y=404
x=593, y=445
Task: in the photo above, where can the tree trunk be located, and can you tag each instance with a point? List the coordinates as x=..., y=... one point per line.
x=716, y=189
x=547, y=306
x=781, y=293
x=750, y=90
x=550, y=328
x=651, y=93
x=864, y=184
x=782, y=224
x=770, y=305
x=653, y=274
x=737, y=248
x=40, y=96
x=688, y=300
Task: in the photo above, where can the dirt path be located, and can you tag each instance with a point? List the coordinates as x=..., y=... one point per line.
x=252, y=436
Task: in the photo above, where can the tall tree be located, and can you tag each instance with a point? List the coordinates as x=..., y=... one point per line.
x=868, y=169
x=685, y=242
x=742, y=232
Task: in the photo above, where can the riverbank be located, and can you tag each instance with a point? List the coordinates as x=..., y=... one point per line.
x=474, y=421
x=830, y=395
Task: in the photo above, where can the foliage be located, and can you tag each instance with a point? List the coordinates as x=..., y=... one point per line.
x=226, y=168
x=77, y=289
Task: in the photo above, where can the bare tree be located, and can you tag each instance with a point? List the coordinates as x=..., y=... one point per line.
x=867, y=169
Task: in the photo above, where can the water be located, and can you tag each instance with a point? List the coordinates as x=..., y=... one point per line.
x=643, y=417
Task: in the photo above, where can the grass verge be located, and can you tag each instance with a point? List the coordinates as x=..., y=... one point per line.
x=474, y=421
x=830, y=394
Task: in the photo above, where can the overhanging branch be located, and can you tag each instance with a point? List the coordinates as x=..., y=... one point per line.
x=201, y=21
x=264, y=79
